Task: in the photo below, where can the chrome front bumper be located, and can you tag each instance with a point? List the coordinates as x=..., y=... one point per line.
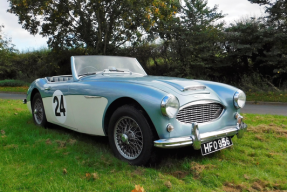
x=196, y=138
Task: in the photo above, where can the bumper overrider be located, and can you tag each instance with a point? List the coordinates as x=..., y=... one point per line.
x=196, y=138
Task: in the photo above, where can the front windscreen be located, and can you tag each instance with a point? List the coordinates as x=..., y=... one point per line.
x=94, y=64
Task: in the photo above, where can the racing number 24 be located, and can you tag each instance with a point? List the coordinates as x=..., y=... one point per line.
x=62, y=107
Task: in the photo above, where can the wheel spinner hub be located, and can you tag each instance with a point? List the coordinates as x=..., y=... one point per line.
x=125, y=138
x=128, y=138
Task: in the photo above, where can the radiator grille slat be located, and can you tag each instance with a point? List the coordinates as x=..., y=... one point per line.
x=200, y=113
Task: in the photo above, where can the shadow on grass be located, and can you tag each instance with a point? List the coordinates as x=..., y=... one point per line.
x=160, y=158
x=91, y=139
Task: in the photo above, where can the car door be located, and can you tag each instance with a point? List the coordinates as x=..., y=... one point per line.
x=88, y=106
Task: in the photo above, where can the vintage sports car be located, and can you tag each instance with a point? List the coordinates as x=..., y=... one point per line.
x=113, y=96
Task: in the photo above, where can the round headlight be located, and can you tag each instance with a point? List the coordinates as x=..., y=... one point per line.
x=169, y=106
x=239, y=99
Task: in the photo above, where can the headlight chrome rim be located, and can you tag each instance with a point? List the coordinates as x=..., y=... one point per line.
x=239, y=99
x=166, y=101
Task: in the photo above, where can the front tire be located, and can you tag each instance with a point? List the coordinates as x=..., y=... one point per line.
x=38, y=111
x=130, y=136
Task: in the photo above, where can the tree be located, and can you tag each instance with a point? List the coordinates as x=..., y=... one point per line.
x=100, y=25
x=192, y=37
x=276, y=23
x=7, y=51
x=247, y=43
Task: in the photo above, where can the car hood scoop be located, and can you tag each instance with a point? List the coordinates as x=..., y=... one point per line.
x=186, y=86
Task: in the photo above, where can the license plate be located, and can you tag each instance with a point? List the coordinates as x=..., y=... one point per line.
x=215, y=145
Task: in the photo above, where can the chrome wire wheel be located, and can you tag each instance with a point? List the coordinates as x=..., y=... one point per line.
x=38, y=111
x=128, y=138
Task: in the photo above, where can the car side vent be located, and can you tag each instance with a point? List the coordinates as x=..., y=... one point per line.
x=200, y=113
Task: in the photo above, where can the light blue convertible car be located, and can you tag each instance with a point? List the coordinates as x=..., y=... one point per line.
x=113, y=96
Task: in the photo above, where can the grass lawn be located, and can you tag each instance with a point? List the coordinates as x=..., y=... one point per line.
x=267, y=96
x=57, y=159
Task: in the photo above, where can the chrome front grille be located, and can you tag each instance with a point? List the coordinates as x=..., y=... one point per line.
x=200, y=113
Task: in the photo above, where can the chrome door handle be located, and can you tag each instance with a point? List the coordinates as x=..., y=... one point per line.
x=90, y=97
x=47, y=88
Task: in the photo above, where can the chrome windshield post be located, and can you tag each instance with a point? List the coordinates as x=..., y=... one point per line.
x=73, y=67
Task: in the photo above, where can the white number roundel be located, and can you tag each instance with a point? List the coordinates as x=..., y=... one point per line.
x=59, y=106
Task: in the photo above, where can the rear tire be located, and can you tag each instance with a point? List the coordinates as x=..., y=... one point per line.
x=130, y=136
x=38, y=111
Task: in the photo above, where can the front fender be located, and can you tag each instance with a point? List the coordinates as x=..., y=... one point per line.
x=39, y=85
x=148, y=97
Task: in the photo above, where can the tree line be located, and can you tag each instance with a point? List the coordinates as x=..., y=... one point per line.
x=173, y=38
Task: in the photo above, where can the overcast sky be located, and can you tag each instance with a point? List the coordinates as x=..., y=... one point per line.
x=235, y=9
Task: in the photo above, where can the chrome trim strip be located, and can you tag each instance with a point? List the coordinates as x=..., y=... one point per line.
x=91, y=97
x=204, y=137
x=173, y=142
x=209, y=136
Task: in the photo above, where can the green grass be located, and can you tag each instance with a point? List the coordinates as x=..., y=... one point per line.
x=34, y=159
x=267, y=96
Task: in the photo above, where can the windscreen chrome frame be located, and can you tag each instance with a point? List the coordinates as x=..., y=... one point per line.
x=73, y=67
x=76, y=77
